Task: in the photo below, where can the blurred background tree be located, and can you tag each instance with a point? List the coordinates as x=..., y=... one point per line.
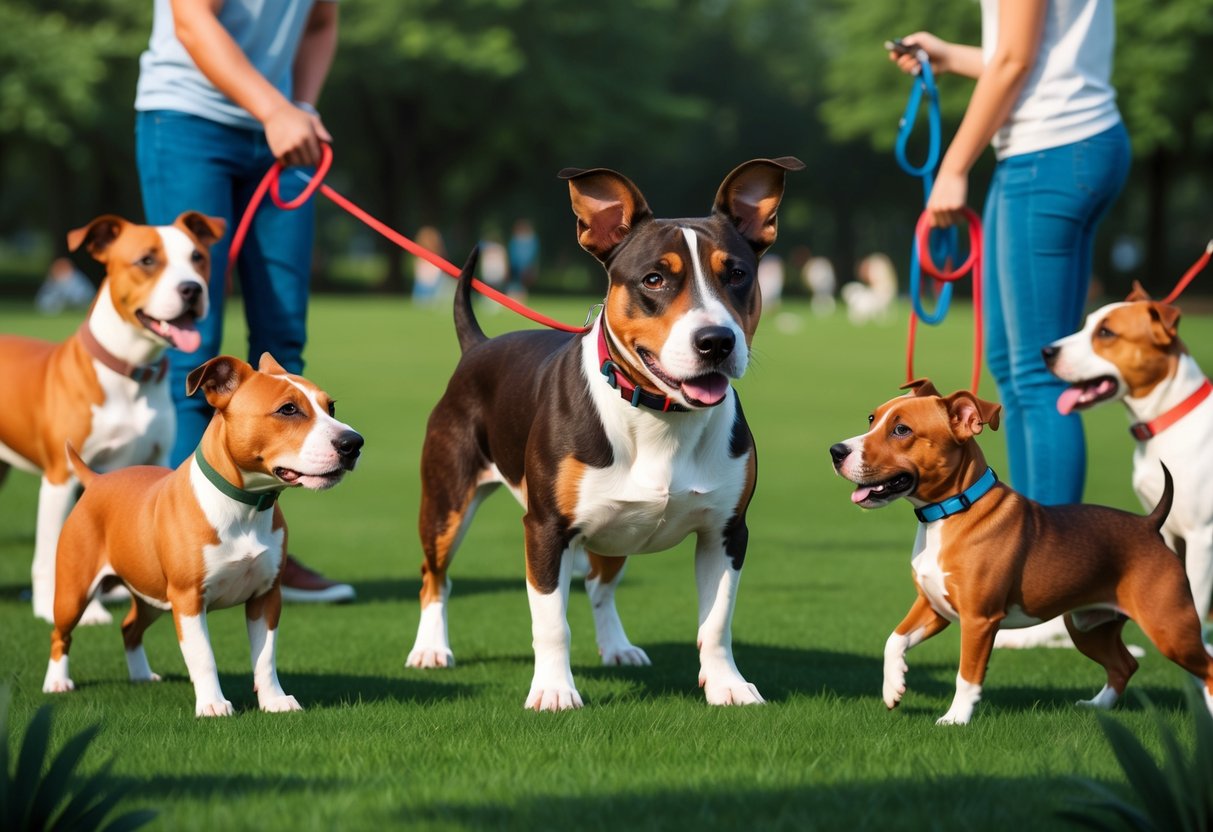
x=459, y=113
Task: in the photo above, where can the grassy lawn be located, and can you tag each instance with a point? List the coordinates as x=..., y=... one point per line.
x=825, y=582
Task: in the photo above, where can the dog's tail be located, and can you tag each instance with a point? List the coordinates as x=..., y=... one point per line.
x=82, y=471
x=1159, y=515
x=466, y=326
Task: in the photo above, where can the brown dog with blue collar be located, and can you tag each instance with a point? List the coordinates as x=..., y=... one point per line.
x=620, y=441
x=988, y=557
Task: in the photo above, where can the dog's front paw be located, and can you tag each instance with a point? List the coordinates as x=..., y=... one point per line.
x=729, y=689
x=280, y=704
x=894, y=683
x=150, y=677
x=58, y=686
x=221, y=707
x=1103, y=700
x=553, y=698
x=57, y=679
x=428, y=657
x=624, y=654
x=955, y=717
x=94, y=613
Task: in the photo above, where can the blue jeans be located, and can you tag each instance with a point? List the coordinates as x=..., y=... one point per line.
x=188, y=163
x=1040, y=219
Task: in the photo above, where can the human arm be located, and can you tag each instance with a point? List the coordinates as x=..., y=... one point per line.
x=294, y=136
x=999, y=83
x=316, y=50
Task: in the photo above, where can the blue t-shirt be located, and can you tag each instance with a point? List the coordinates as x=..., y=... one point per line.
x=268, y=32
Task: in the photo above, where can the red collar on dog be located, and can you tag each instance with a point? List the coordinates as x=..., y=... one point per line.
x=631, y=393
x=141, y=373
x=1147, y=430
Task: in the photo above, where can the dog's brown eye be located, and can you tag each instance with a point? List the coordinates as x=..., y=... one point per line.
x=653, y=281
x=288, y=409
x=901, y=430
x=147, y=261
x=871, y=418
x=197, y=256
x=737, y=277
x=1104, y=332
x=332, y=408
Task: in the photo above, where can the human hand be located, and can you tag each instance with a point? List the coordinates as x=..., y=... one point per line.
x=936, y=49
x=947, y=201
x=294, y=135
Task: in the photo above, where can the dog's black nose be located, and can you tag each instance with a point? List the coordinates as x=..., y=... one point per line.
x=348, y=444
x=715, y=342
x=190, y=293
x=1050, y=354
x=839, y=452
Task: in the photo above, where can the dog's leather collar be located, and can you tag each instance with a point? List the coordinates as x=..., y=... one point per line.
x=631, y=393
x=258, y=500
x=140, y=373
x=1148, y=430
x=961, y=502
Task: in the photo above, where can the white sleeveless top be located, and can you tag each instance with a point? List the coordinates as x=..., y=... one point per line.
x=1068, y=96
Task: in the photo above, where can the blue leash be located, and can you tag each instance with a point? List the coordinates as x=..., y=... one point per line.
x=943, y=245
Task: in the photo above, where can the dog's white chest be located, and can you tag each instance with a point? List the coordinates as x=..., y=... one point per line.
x=243, y=564
x=929, y=572
x=133, y=426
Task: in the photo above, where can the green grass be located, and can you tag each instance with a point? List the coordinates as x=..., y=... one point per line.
x=381, y=746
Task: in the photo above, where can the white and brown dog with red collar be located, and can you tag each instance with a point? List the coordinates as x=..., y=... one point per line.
x=1131, y=351
x=103, y=390
x=620, y=441
x=207, y=535
x=988, y=557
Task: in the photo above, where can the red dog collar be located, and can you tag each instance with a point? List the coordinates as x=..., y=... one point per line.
x=631, y=393
x=1147, y=430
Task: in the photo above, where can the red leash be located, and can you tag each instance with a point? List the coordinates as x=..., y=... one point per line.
x=1196, y=268
x=270, y=183
x=971, y=264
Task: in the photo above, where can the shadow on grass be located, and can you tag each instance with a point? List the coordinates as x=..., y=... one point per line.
x=396, y=589
x=225, y=786
x=974, y=802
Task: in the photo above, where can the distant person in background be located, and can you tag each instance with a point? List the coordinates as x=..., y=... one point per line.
x=770, y=280
x=494, y=262
x=871, y=296
x=426, y=276
x=65, y=287
x=818, y=277
x=226, y=87
x=523, y=248
x=1044, y=98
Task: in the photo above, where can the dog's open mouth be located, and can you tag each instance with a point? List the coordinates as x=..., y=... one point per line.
x=871, y=495
x=1084, y=394
x=314, y=482
x=706, y=390
x=181, y=332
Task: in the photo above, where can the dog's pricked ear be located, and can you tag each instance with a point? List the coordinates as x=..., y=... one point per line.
x=218, y=379
x=750, y=197
x=268, y=365
x=98, y=235
x=968, y=415
x=1164, y=323
x=208, y=230
x=607, y=205
x=920, y=387
x=1137, y=293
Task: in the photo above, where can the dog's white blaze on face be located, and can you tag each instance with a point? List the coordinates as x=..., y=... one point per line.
x=678, y=354
x=1077, y=359
x=165, y=302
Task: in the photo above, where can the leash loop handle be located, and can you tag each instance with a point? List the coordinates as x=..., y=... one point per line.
x=924, y=85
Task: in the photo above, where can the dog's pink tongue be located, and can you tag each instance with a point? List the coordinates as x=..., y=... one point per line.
x=709, y=389
x=860, y=494
x=1068, y=399
x=184, y=337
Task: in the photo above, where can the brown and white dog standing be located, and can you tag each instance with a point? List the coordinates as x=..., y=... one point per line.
x=1131, y=351
x=617, y=442
x=209, y=534
x=103, y=390
x=988, y=557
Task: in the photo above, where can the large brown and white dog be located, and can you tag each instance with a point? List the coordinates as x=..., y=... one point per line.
x=620, y=441
x=988, y=557
x=208, y=535
x=104, y=390
x=1132, y=351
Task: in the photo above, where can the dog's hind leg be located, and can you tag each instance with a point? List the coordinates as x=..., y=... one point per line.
x=613, y=645
x=141, y=615
x=1103, y=643
x=448, y=504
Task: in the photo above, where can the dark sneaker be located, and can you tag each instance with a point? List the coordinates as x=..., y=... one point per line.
x=301, y=585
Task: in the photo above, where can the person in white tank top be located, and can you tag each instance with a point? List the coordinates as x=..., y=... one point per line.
x=1045, y=102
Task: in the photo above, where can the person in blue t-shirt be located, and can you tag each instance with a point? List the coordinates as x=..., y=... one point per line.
x=225, y=88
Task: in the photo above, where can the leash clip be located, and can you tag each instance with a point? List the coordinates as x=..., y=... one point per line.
x=610, y=369
x=593, y=313
x=1141, y=431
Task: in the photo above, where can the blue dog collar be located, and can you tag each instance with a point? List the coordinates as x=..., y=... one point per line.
x=959, y=503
